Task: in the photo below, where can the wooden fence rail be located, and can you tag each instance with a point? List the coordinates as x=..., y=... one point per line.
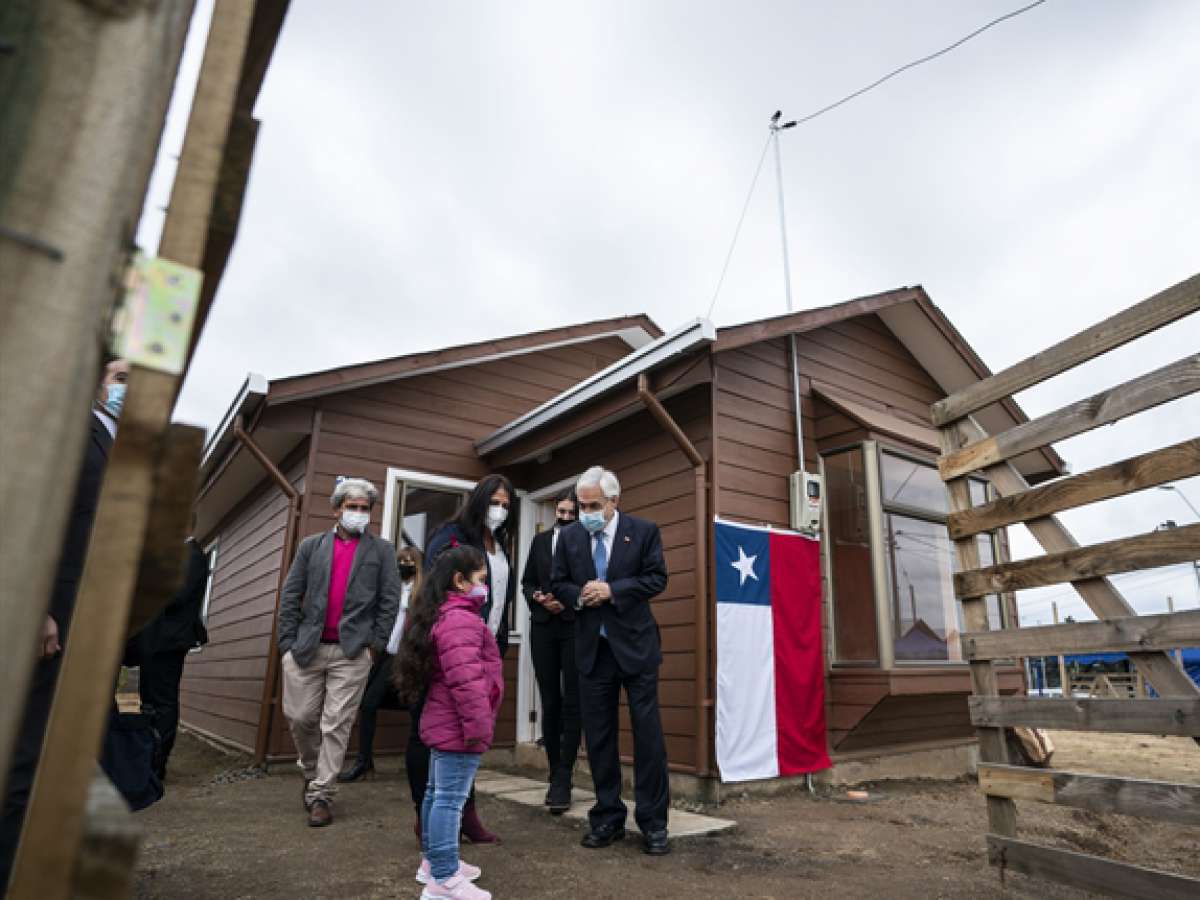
x=967, y=449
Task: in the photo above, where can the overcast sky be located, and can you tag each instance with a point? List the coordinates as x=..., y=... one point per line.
x=435, y=173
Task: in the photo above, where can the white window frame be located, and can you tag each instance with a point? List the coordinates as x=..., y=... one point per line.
x=211, y=554
x=391, y=493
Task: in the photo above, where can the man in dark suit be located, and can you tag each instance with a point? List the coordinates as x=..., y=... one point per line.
x=105, y=412
x=162, y=648
x=608, y=567
x=552, y=645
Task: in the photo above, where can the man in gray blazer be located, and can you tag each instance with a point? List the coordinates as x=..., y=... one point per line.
x=335, y=616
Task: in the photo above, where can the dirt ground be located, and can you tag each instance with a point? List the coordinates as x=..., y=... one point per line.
x=225, y=831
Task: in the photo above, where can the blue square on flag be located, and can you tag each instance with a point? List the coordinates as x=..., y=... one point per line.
x=743, y=565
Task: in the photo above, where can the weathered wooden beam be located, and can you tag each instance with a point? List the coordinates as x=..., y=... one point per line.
x=1102, y=598
x=1174, y=717
x=1172, y=463
x=1119, y=635
x=86, y=88
x=1162, y=309
x=1091, y=873
x=1145, y=551
x=993, y=746
x=1165, y=800
x=1160, y=386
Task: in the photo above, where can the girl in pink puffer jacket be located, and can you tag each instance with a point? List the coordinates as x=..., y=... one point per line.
x=449, y=656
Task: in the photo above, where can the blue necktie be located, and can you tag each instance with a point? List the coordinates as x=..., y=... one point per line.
x=600, y=559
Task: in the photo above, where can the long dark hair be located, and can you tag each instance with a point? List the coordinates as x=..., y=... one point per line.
x=414, y=663
x=472, y=515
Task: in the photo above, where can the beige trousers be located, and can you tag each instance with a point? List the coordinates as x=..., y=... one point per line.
x=320, y=702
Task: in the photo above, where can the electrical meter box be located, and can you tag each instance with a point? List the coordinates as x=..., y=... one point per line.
x=806, y=498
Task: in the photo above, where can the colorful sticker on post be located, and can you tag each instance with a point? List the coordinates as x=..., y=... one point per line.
x=160, y=307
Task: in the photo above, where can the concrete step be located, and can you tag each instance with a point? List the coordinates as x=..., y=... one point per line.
x=528, y=792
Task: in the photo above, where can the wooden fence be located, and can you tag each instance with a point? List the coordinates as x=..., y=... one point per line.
x=966, y=449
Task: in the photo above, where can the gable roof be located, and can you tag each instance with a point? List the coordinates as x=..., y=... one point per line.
x=908, y=312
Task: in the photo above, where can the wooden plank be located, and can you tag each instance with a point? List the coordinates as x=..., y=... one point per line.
x=1146, y=551
x=1172, y=463
x=1174, y=716
x=1163, y=308
x=1091, y=873
x=1102, y=598
x=1123, y=634
x=1164, y=800
x=993, y=747
x=1160, y=386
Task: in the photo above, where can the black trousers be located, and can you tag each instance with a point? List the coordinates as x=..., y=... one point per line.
x=158, y=687
x=552, y=646
x=600, y=693
x=379, y=694
x=25, y=761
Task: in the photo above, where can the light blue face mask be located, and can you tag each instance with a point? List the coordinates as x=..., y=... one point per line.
x=592, y=521
x=116, y=399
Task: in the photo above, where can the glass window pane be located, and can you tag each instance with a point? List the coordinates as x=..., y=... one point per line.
x=926, y=617
x=855, y=634
x=913, y=484
x=424, y=510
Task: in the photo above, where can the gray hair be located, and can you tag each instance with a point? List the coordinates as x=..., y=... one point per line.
x=352, y=487
x=598, y=476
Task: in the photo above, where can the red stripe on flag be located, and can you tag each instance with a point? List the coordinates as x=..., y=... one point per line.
x=799, y=662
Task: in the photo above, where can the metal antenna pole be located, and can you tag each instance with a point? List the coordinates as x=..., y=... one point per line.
x=787, y=284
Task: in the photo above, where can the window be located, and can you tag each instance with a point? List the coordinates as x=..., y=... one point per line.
x=422, y=511
x=210, y=553
x=855, y=633
x=926, y=617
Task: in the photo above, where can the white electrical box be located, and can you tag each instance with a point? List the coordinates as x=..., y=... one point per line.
x=806, y=499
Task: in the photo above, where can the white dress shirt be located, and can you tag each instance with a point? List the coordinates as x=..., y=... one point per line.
x=393, y=644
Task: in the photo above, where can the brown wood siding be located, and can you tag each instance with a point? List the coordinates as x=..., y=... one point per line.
x=222, y=685
x=429, y=423
x=657, y=483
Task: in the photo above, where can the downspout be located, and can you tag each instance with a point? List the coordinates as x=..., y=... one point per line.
x=702, y=700
x=267, y=703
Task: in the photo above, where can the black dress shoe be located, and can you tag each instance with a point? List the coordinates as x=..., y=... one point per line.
x=362, y=768
x=602, y=836
x=558, y=798
x=656, y=843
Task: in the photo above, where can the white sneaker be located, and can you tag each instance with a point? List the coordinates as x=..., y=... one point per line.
x=465, y=869
x=456, y=888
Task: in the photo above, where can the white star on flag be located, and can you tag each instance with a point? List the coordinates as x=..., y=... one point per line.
x=745, y=566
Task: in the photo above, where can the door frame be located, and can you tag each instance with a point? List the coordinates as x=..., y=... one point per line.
x=528, y=700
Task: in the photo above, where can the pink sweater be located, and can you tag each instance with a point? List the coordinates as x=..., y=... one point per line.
x=467, y=684
x=339, y=578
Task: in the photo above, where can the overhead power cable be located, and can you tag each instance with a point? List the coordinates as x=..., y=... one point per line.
x=832, y=106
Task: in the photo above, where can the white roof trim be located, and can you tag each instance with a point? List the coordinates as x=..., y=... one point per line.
x=252, y=393
x=679, y=341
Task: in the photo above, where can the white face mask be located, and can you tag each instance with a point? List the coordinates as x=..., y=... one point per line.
x=496, y=516
x=354, y=521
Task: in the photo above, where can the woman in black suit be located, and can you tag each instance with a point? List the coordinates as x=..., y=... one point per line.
x=482, y=522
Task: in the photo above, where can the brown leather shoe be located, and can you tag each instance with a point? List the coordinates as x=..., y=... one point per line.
x=320, y=814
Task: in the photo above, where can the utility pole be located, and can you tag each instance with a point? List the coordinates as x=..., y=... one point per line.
x=775, y=128
x=1063, y=681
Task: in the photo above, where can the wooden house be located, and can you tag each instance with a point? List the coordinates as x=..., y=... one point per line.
x=697, y=423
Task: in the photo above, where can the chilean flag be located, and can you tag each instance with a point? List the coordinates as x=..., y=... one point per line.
x=770, y=667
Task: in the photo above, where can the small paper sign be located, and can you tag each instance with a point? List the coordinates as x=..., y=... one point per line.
x=160, y=306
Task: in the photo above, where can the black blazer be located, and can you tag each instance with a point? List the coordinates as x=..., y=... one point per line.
x=177, y=628
x=636, y=573
x=450, y=535
x=79, y=526
x=537, y=578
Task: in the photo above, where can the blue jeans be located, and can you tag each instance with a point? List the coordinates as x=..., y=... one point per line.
x=450, y=779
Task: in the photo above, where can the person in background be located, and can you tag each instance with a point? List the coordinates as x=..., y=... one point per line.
x=380, y=692
x=483, y=523
x=609, y=566
x=106, y=411
x=162, y=647
x=449, y=658
x=552, y=645
x=336, y=612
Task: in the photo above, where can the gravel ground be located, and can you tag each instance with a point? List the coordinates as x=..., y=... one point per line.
x=227, y=831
